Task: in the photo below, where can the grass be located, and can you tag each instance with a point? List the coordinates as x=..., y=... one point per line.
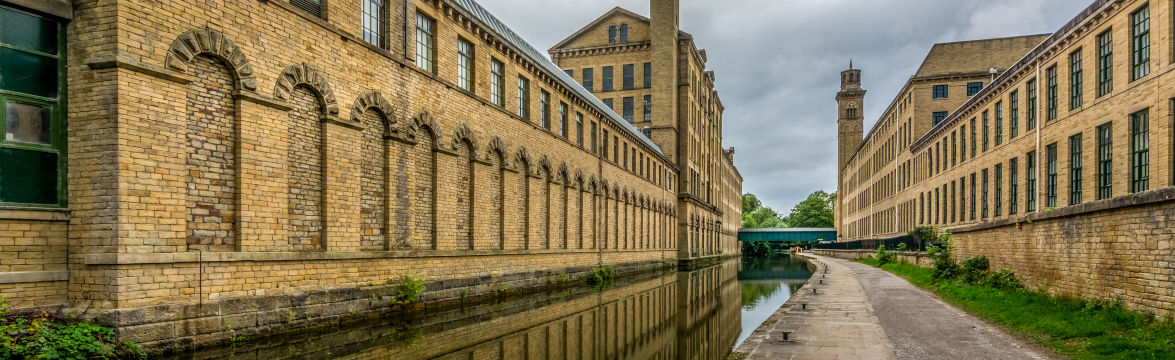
x=1077, y=328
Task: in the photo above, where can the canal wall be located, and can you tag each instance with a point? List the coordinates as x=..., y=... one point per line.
x=911, y=257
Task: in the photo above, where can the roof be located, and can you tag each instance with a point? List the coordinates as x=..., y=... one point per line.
x=501, y=31
x=785, y=230
x=616, y=10
x=976, y=56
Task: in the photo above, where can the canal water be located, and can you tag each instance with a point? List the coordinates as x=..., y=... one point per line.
x=700, y=314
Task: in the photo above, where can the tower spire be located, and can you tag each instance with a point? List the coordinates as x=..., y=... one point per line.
x=850, y=63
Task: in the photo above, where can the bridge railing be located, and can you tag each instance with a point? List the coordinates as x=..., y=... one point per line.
x=913, y=243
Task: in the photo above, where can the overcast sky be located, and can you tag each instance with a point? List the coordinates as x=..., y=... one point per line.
x=778, y=65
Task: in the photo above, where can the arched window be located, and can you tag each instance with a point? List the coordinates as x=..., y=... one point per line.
x=612, y=34
x=623, y=33
x=851, y=111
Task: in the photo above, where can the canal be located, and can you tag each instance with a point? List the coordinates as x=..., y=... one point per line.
x=700, y=314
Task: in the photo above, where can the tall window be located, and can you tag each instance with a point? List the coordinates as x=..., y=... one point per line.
x=963, y=142
x=497, y=83
x=373, y=22
x=985, y=130
x=1030, y=110
x=1140, y=45
x=1075, y=79
x=612, y=34
x=545, y=109
x=588, y=74
x=604, y=144
x=1139, y=151
x=623, y=33
x=1051, y=179
x=998, y=204
x=426, y=41
x=1075, y=169
x=999, y=122
x=1013, y=186
x=1051, y=93
x=974, y=87
x=1030, y=169
x=940, y=91
x=615, y=148
x=314, y=7
x=1105, y=161
x=648, y=107
x=629, y=72
x=606, y=79
x=579, y=129
x=465, y=65
x=627, y=107
x=974, y=137
x=1014, y=114
x=1105, y=63
x=608, y=103
x=974, y=184
x=937, y=116
x=986, y=183
x=32, y=151
x=592, y=136
x=563, y=119
x=954, y=148
x=523, y=98
x=648, y=74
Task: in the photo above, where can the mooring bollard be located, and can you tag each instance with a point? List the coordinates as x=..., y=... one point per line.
x=821, y=282
x=804, y=306
x=813, y=291
x=786, y=334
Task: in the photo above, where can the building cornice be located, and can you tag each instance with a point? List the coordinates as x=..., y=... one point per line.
x=609, y=49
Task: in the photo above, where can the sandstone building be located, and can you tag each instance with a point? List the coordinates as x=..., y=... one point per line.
x=1050, y=154
x=174, y=167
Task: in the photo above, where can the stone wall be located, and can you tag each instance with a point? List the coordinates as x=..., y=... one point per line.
x=909, y=257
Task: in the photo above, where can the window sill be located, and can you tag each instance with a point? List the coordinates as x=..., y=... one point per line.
x=33, y=213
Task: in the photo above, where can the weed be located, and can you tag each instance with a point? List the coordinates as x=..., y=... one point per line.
x=501, y=292
x=232, y=335
x=564, y=278
x=409, y=289
x=600, y=276
x=45, y=337
x=884, y=256
x=975, y=270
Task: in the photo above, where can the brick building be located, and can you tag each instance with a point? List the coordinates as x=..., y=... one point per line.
x=1050, y=154
x=174, y=167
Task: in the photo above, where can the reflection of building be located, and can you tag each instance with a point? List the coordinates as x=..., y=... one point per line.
x=1057, y=166
x=268, y=157
x=652, y=73
x=692, y=315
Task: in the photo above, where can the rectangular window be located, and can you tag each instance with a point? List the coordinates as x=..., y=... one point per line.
x=626, y=104
x=985, y=185
x=1030, y=170
x=545, y=109
x=1105, y=161
x=32, y=150
x=974, y=137
x=1051, y=175
x=314, y=7
x=625, y=156
x=629, y=74
x=953, y=202
x=963, y=142
x=588, y=74
x=1013, y=186
x=465, y=65
x=1051, y=95
x=1105, y=63
x=426, y=40
x=1075, y=79
x=1140, y=45
x=999, y=122
x=606, y=79
x=563, y=119
x=608, y=103
x=963, y=198
x=1139, y=151
x=648, y=75
x=937, y=117
x=1075, y=169
x=524, y=98
x=1014, y=114
x=373, y=22
x=570, y=73
x=954, y=148
x=997, y=204
x=985, y=130
x=974, y=87
x=615, y=149
x=1030, y=108
x=497, y=83
x=940, y=91
x=579, y=129
x=648, y=107
x=974, y=184
x=604, y=147
x=592, y=137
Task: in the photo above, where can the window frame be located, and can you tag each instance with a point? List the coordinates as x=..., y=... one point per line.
x=1140, y=42
x=1051, y=93
x=974, y=87
x=940, y=91
x=381, y=22
x=1075, y=168
x=426, y=60
x=1105, y=160
x=1076, y=77
x=1105, y=46
x=1140, y=151
x=523, y=98
x=1051, y=175
x=466, y=64
x=497, y=83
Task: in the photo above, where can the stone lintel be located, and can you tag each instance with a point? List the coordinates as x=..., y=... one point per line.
x=332, y=119
x=13, y=277
x=55, y=214
x=254, y=97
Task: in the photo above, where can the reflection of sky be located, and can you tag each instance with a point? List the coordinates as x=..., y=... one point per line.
x=760, y=309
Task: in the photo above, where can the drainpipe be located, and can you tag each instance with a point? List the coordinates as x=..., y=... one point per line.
x=1039, y=125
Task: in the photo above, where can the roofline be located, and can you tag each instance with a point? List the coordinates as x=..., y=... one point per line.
x=963, y=42
x=593, y=23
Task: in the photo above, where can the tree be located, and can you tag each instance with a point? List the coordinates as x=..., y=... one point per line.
x=755, y=215
x=815, y=211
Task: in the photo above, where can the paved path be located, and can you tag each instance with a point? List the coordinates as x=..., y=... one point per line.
x=862, y=312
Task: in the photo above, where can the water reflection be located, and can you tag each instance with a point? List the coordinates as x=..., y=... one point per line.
x=767, y=282
x=680, y=315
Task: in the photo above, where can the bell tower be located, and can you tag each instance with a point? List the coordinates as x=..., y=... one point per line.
x=849, y=123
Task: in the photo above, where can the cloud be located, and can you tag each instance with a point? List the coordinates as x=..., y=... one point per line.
x=778, y=65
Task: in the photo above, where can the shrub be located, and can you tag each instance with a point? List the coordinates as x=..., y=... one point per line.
x=47, y=338
x=600, y=276
x=945, y=267
x=1004, y=279
x=409, y=289
x=975, y=269
x=885, y=256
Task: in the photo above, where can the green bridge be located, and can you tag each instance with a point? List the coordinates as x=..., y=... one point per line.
x=788, y=234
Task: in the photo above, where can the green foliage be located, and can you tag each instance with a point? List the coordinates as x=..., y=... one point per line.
x=901, y=247
x=600, y=276
x=884, y=256
x=409, y=289
x=47, y=338
x=945, y=267
x=975, y=270
x=815, y=211
x=1076, y=328
x=924, y=233
x=755, y=215
x=756, y=248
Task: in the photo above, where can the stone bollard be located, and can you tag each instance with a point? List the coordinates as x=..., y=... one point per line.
x=804, y=306
x=786, y=334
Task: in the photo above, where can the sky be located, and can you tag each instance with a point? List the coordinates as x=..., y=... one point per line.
x=778, y=62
